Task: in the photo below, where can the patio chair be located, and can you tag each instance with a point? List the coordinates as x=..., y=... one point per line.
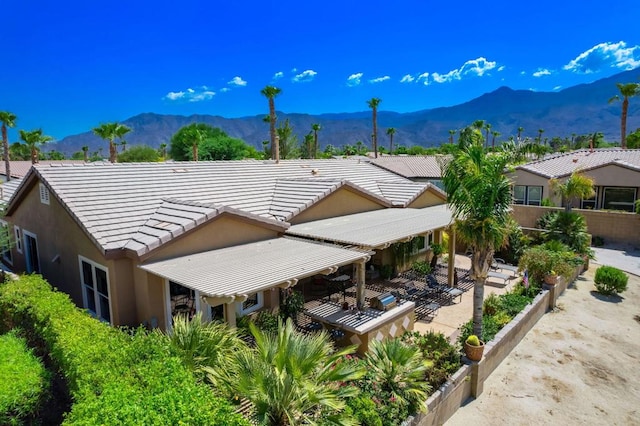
x=412, y=292
x=502, y=265
x=429, y=308
x=499, y=275
x=444, y=291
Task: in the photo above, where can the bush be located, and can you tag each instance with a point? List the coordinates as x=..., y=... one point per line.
x=489, y=330
x=114, y=377
x=23, y=380
x=364, y=410
x=513, y=303
x=540, y=261
x=491, y=305
x=422, y=268
x=436, y=349
x=610, y=280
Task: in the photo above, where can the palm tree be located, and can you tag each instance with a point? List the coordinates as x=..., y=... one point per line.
x=291, y=378
x=479, y=196
x=390, y=132
x=197, y=137
x=8, y=119
x=540, y=132
x=111, y=131
x=576, y=186
x=487, y=128
x=33, y=139
x=493, y=141
x=163, y=151
x=85, y=153
x=315, y=127
x=373, y=104
x=520, y=130
x=451, y=134
x=124, y=145
x=270, y=92
x=627, y=91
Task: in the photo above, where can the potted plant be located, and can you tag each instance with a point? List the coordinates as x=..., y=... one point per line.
x=436, y=250
x=551, y=278
x=473, y=348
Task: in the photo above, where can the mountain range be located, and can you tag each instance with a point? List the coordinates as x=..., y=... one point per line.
x=581, y=109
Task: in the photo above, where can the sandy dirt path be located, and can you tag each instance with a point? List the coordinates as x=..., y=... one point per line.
x=578, y=365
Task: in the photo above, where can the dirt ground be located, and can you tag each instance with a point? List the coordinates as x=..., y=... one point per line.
x=578, y=365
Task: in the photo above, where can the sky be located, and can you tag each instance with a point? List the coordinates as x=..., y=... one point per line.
x=69, y=66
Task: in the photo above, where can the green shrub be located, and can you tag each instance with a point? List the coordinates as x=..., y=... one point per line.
x=292, y=303
x=437, y=350
x=540, y=261
x=502, y=318
x=364, y=410
x=610, y=280
x=638, y=206
x=489, y=330
x=114, y=377
x=23, y=380
x=491, y=304
x=422, y=268
x=513, y=303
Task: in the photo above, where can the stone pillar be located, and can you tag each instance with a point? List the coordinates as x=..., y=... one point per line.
x=360, y=279
x=230, y=313
x=476, y=383
x=452, y=257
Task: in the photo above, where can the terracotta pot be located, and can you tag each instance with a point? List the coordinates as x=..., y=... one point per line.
x=551, y=279
x=474, y=353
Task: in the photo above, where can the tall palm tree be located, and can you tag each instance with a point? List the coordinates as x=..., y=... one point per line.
x=451, y=134
x=627, y=91
x=493, y=141
x=390, y=132
x=373, y=104
x=520, y=130
x=85, y=153
x=576, y=186
x=8, y=119
x=487, y=129
x=270, y=92
x=316, y=128
x=124, y=145
x=111, y=132
x=479, y=196
x=540, y=132
x=291, y=378
x=163, y=151
x=33, y=139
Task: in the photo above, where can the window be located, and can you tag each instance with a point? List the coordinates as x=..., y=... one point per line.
x=18, y=238
x=254, y=302
x=5, y=242
x=95, y=288
x=44, y=194
x=590, y=203
x=32, y=257
x=529, y=195
x=619, y=198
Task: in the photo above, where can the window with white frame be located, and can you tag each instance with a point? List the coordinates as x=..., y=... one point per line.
x=17, y=234
x=254, y=302
x=95, y=288
x=5, y=242
x=44, y=194
x=528, y=195
x=619, y=198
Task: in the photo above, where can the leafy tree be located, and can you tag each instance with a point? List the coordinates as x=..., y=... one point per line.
x=316, y=128
x=487, y=129
x=633, y=140
x=270, y=92
x=111, y=132
x=373, y=104
x=479, y=196
x=576, y=186
x=291, y=378
x=139, y=154
x=390, y=132
x=288, y=141
x=33, y=139
x=452, y=133
x=19, y=151
x=627, y=91
x=307, y=146
x=55, y=155
x=8, y=119
x=207, y=143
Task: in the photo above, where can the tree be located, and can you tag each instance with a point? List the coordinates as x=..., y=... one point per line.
x=139, y=154
x=316, y=128
x=33, y=139
x=627, y=91
x=479, y=196
x=493, y=141
x=291, y=378
x=390, y=132
x=270, y=92
x=8, y=119
x=287, y=141
x=85, y=153
x=123, y=144
x=163, y=151
x=452, y=133
x=633, y=140
x=111, y=132
x=20, y=151
x=540, y=132
x=55, y=155
x=576, y=186
x=487, y=128
x=200, y=141
x=307, y=146
x=520, y=130
x=373, y=104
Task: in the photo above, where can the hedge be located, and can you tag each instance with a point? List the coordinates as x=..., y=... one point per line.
x=114, y=376
x=23, y=380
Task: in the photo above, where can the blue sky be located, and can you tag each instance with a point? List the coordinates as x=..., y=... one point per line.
x=71, y=65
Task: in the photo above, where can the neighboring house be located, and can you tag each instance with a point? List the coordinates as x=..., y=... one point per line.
x=19, y=169
x=417, y=168
x=136, y=243
x=616, y=173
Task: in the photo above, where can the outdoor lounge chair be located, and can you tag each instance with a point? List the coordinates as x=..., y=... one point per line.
x=499, y=275
x=412, y=292
x=428, y=308
x=442, y=290
x=502, y=265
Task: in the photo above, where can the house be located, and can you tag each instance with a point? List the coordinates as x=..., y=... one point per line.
x=418, y=168
x=616, y=173
x=20, y=168
x=136, y=243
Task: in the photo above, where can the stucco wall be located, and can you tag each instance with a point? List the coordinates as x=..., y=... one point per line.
x=342, y=202
x=427, y=199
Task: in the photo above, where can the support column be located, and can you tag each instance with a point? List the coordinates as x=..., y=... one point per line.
x=360, y=279
x=230, y=314
x=452, y=257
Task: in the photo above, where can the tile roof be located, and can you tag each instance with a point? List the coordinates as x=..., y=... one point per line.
x=561, y=165
x=19, y=169
x=411, y=166
x=377, y=228
x=125, y=205
x=249, y=268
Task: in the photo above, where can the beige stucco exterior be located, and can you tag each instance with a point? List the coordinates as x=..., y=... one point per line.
x=343, y=201
x=427, y=199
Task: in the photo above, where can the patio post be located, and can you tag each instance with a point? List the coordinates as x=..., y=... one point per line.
x=230, y=314
x=360, y=278
x=452, y=257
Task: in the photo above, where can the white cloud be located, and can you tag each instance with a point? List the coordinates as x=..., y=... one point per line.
x=523, y=73
x=541, y=72
x=294, y=70
x=605, y=55
x=477, y=67
x=557, y=88
x=407, y=79
x=278, y=75
x=379, y=79
x=354, y=79
x=424, y=77
x=191, y=95
x=304, y=76
x=237, y=81
x=224, y=89
x=501, y=68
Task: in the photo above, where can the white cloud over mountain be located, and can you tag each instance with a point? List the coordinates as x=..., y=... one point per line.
x=605, y=55
x=541, y=72
x=191, y=95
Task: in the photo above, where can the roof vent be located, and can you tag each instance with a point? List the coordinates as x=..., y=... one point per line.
x=575, y=160
x=315, y=172
x=179, y=170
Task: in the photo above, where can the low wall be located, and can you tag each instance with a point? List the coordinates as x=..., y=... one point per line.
x=614, y=227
